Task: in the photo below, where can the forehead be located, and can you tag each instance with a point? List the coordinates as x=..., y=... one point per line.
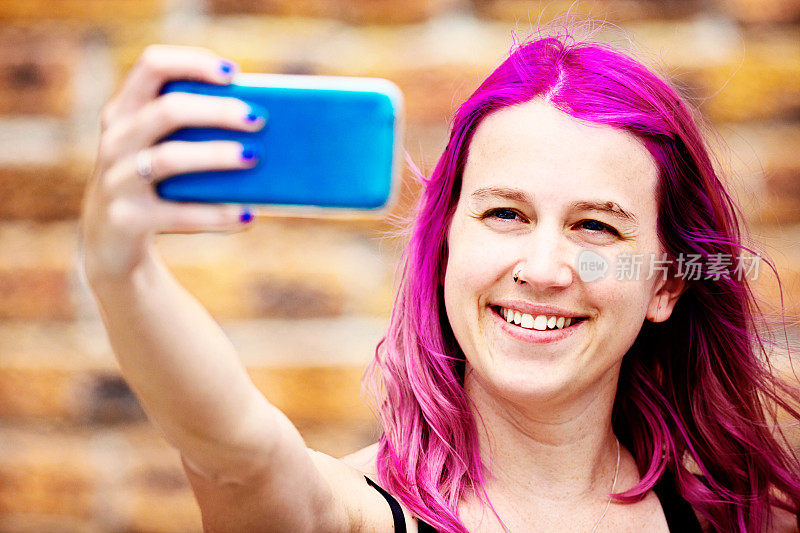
x=557, y=158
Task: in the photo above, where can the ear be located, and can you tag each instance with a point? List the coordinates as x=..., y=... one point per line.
x=666, y=296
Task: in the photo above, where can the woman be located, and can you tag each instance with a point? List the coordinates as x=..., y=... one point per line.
x=516, y=392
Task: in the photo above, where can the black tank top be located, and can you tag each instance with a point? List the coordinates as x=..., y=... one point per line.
x=679, y=514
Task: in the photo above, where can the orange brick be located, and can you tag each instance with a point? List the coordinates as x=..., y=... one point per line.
x=30, y=245
x=87, y=479
x=55, y=372
x=434, y=93
x=436, y=74
x=35, y=70
x=229, y=289
x=104, y=398
x=42, y=193
x=784, y=195
x=155, y=494
x=780, y=244
x=87, y=10
x=306, y=394
x=35, y=293
x=301, y=298
x=72, y=395
x=308, y=8
x=59, y=349
x=32, y=522
x=525, y=12
x=167, y=512
x=768, y=156
x=65, y=371
x=127, y=41
x=284, y=268
x=375, y=11
x=338, y=439
x=387, y=11
x=762, y=83
x=219, y=288
x=44, y=393
x=46, y=475
x=761, y=11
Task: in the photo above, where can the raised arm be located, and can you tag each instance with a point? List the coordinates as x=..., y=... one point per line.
x=174, y=356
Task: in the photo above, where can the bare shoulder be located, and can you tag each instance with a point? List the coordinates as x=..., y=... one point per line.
x=368, y=509
x=364, y=460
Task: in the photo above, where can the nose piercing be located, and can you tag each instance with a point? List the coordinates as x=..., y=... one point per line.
x=516, y=276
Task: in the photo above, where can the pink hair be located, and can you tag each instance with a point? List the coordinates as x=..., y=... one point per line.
x=692, y=389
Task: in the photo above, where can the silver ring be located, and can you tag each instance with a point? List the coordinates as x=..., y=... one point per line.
x=144, y=165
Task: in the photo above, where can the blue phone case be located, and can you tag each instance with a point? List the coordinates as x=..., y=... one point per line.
x=329, y=141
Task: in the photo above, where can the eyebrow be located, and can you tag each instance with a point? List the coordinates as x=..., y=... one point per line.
x=516, y=195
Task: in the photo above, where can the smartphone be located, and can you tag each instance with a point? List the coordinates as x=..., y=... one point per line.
x=330, y=143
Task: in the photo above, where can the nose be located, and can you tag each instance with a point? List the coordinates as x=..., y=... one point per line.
x=543, y=260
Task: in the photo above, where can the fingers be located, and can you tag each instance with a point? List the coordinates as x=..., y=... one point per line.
x=159, y=64
x=172, y=158
x=199, y=218
x=132, y=217
x=174, y=111
x=121, y=209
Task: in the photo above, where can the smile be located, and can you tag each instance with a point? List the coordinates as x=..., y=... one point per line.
x=539, y=322
x=532, y=335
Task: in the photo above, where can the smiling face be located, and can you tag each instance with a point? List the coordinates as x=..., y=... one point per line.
x=540, y=187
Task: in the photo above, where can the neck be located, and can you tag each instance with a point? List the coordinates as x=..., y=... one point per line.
x=548, y=451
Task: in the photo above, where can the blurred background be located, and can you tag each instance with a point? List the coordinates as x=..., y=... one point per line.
x=304, y=301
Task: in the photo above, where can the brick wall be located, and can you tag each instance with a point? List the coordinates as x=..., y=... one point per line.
x=77, y=451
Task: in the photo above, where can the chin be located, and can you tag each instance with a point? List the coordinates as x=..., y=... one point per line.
x=528, y=380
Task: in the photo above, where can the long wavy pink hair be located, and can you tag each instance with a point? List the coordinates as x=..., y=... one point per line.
x=697, y=388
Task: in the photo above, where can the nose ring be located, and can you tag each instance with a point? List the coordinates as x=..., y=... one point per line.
x=516, y=276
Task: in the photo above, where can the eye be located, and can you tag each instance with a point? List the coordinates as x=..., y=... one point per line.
x=503, y=213
x=596, y=226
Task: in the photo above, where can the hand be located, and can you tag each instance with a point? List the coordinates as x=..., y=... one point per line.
x=121, y=211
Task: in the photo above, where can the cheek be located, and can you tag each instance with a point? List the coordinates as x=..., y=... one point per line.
x=465, y=276
x=630, y=296
x=471, y=262
x=624, y=299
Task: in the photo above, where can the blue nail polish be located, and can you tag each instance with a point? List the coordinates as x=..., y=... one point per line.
x=226, y=67
x=246, y=216
x=248, y=154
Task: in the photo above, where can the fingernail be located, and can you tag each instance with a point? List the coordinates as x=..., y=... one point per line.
x=246, y=216
x=249, y=154
x=226, y=67
x=254, y=116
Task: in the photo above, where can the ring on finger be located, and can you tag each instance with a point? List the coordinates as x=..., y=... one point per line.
x=144, y=165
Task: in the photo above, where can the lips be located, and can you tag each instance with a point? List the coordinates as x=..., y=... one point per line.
x=536, y=322
x=534, y=336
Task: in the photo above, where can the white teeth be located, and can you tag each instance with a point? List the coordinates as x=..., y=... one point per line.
x=540, y=322
x=527, y=321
